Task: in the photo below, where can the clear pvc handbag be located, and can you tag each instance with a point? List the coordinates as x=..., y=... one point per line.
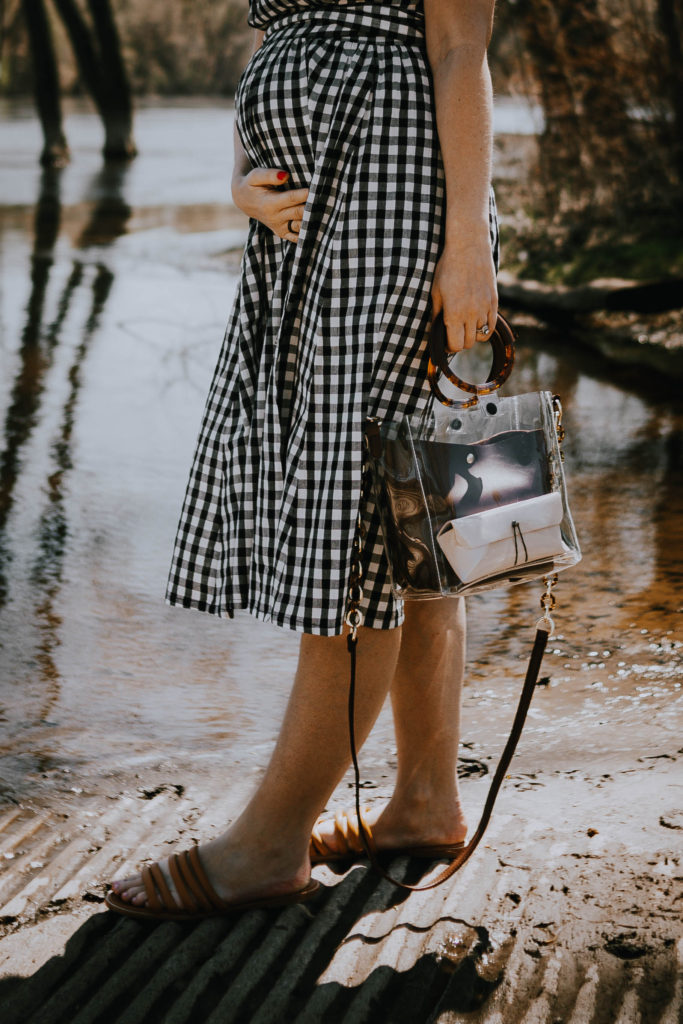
x=472, y=492
x=472, y=496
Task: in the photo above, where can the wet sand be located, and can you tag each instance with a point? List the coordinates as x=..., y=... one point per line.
x=126, y=723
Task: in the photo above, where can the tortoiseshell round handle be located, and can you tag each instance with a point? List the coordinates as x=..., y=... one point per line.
x=502, y=342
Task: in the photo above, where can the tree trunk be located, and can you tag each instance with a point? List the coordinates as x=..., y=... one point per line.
x=560, y=141
x=46, y=84
x=85, y=53
x=587, y=52
x=118, y=100
x=103, y=73
x=670, y=17
x=589, y=144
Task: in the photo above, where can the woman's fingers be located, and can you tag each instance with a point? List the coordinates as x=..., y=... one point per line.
x=280, y=209
x=464, y=287
x=287, y=211
x=292, y=197
x=455, y=335
x=468, y=332
x=465, y=331
x=291, y=231
x=267, y=181
x=473, y=328
x=463, y=327
x=273, y=177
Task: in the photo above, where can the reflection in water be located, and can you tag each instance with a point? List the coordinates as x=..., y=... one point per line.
x=53, y=528
x=111, y=212
x=35, y=358
x=113, y=341
x=39, y=342
x=664, y=591
x=626, y=493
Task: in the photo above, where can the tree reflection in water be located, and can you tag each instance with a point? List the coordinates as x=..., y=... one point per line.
x=39, y=342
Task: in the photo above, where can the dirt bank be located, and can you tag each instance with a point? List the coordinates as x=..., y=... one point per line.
x=571, y=911
x=618, y=294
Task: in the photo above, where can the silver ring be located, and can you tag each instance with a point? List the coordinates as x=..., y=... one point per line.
x=483, y=330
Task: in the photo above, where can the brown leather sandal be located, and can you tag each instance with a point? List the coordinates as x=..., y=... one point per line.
x=347, y=837
x=198, y=898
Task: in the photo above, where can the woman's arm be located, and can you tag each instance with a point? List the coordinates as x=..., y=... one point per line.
x=242, y=166
x=258, y=191
x=457, y=36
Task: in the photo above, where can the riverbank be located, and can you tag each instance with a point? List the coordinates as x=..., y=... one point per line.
x=621, y=295
x=618, y=293
x=570, y=911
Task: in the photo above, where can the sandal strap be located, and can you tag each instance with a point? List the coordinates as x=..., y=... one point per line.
x=210, y=895
x=194, y=890
x=187, y=900
x=197, y=880
x=158, y=894
x=345, y=828
x=153, y=900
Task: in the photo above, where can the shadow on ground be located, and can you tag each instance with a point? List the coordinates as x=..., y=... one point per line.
x=260, y=966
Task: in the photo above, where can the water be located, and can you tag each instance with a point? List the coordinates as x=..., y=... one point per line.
x=114, y=293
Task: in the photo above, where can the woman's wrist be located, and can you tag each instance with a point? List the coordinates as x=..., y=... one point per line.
x=237, y=187
x=462, y=237
x=460, y=223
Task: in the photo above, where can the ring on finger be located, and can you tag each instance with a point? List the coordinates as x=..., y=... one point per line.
x=289, y=227
x=483, y=330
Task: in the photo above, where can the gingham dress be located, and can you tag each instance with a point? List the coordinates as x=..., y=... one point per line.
x=324, y=331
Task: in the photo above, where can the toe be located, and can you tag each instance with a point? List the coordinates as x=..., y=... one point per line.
x=130, y=892
x=119, y=885
x=133, y=890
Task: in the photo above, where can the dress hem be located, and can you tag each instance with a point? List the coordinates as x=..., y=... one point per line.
x=294, y=626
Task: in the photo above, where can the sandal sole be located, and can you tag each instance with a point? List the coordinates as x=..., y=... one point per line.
x=120, y=906
x=418, y=852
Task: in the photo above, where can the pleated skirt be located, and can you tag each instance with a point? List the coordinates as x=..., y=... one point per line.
x=323, y=332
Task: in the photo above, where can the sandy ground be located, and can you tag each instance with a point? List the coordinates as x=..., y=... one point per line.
x=571, y=911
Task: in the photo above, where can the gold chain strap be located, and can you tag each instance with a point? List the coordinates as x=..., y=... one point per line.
x=354, y=616
x=557, y=409
x=547, y=604
x=548, y=601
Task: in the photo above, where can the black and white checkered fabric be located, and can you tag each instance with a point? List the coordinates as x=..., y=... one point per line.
x=323, y=332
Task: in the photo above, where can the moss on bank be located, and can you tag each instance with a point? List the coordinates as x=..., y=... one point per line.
x=656, y=254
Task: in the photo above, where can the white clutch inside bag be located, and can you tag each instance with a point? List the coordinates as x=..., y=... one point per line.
x=486, y=543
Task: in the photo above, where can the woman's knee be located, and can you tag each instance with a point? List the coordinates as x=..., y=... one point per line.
x=440, y=613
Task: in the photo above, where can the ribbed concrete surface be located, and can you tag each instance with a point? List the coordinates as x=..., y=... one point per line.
x=360, y=952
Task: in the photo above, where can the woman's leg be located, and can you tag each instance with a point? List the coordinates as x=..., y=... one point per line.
x=266, y=850
x=425, y=694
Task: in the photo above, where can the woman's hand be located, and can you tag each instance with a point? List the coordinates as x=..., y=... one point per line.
x=464, y=287
x=259, y=194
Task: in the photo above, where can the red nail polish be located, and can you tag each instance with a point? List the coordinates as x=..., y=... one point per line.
x=281, y=175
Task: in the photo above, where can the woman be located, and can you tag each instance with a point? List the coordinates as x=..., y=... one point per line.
x=364, y=224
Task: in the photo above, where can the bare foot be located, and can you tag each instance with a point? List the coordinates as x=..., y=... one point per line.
x=397, y=827
x=235, y=872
